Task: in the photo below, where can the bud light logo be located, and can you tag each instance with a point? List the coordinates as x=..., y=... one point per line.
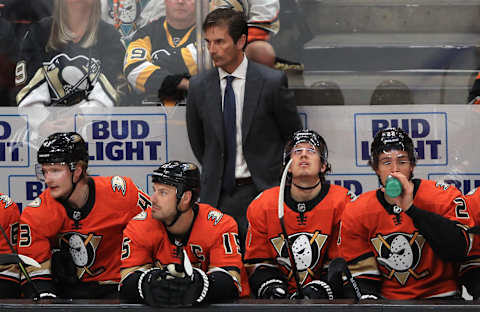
x=357, y=183
x=427, y=130
x=126, y=139
x=24, y=189
x=465, y=182
x=14, y=148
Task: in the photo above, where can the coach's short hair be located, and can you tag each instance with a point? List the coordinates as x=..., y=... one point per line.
x=234, y=20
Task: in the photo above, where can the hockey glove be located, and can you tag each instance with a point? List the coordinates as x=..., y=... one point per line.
x=316, y=290
x=171, y=287
x=169, y=88
x=273, y=289
x=64, y=270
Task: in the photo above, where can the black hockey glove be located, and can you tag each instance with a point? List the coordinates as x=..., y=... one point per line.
x=273, y=289
x=169, y=88
x=316, y=290
x=171, y=287
x=64, y=270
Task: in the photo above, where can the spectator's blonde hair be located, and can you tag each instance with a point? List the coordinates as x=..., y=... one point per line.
x=61, y=35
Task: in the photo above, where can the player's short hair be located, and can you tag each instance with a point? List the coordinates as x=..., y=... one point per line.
x=391, y=139
x=184, y=176
x=316, y=140
x=63, y=147
x=234, y=20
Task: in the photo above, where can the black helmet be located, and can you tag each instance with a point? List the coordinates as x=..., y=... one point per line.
x=307, y=136
x=184, y=176
x=391, y=139
x=63, y=147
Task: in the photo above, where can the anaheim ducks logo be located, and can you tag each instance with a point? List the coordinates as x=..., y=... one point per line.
x=83, y=250
x=119, y=184
x=400, y=254
x=215, y=216
x=306, y=248
x=6, y=200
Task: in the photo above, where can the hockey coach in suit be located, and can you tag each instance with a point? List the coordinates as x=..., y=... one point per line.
x=239, y=116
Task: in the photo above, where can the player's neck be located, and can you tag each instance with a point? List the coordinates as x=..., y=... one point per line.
x=183, y=223
x=305, y=189
x=79, y=197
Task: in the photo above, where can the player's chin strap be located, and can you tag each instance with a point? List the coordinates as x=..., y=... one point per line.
x=306, y=188
x=179, y=213
x=74, y=184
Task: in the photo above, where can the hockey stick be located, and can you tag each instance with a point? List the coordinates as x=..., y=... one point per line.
x=22, y=266
x=281, y=213
x=13, y=258
x=338, y=266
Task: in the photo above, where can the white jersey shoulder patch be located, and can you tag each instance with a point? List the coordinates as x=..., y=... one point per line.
x=6, y=200
x=215, y=216
x=35, y=203
x=119, y=184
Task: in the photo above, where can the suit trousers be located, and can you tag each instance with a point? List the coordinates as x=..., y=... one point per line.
x=236, y=205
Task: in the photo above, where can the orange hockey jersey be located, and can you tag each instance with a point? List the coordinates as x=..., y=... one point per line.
x=212, y=243
x=95, y=242
x=312, y=228
x=387, y=247
x=473, y=204
x=9, y=216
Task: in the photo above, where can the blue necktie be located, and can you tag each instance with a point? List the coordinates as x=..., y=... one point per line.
x=230, y=133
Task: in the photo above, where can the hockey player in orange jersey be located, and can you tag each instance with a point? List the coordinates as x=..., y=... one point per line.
x=9, y=273
x=312, y=211
x=81, y=216
x=408, y=246
x=161, y=246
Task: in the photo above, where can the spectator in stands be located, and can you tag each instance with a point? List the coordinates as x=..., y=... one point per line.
x=311, y=220
x=9, y=273
x=72, y=59
x=81, y=218
x=175, y=234
x=263, y=23
x=239, y=148
x=405, y=239
x=162, y=55
x=128, y=16
x=8, y=49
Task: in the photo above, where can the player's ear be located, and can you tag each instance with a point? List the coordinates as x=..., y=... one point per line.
x=78, y=172
x=187, y=197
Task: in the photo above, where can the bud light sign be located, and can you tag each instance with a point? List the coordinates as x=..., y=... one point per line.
x=126, y=139
x=427, y=130
x=14, y=145
x=465, y=182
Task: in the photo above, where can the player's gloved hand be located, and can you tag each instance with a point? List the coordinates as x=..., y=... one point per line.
x=273, y=289
x=315, y=290
x=64, y=270
x=171, y=287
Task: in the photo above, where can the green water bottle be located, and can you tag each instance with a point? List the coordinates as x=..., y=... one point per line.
x=393, y=187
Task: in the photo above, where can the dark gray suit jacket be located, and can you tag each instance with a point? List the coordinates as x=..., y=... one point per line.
x=269, y=117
